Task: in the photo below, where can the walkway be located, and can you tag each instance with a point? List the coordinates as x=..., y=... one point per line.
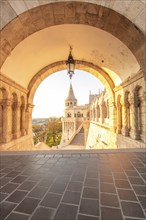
x=73, y=186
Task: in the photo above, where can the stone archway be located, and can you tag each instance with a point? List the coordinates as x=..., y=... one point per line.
x=54, y=14
x=42, y=18
x=82, y=65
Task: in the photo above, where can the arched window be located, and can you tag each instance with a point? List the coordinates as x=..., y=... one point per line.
x=78, y=114
x=69, y=115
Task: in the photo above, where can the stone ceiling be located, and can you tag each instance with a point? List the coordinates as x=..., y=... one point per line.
x=134, y=10
x=51, y=45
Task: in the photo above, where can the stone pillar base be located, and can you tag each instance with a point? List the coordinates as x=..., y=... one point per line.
x=118, y=131
x=16, y=135
x=20, y=144
x=6, y=139
x=23, y=132
x=134, y=136
x=125, y=131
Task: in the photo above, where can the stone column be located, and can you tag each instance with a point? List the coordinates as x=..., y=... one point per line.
x=102, y=113
x=16, y=120
x=7, y=119
x=112, y=115
x=125, y=129
x=23, y=131
x=96, y=115
x=29, y=118
x=134, y=131
x=119, y=118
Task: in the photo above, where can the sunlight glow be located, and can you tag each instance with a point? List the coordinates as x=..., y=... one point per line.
x=49, y=99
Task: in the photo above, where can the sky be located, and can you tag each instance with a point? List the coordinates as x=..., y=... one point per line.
x=49, y=99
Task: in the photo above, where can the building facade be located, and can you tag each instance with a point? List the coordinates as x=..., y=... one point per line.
x=74, y=116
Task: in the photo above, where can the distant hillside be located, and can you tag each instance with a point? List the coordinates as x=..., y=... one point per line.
x=40, y=121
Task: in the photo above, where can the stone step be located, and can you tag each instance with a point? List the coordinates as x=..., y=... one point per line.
x=78, y=139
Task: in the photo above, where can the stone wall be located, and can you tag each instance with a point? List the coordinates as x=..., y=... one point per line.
x=15, y=116
x=120, y=121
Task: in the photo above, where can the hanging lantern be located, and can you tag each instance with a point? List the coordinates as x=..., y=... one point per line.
x=70, y=64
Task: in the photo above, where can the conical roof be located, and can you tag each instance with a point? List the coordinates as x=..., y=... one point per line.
x=71, y=95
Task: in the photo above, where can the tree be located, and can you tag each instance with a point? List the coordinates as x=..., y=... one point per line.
x=54, y=132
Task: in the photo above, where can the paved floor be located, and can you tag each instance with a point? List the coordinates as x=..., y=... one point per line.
x=74, y=186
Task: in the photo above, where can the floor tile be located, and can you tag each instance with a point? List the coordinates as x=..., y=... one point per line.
x=16, y=196
x=106, y=178
x=122, y=184
x=142, y=200
x=38, y=192
x=77, y=178
x=89, y=206
x=3, y=196
x=140, y=190
x=92, y=175
x=111, y=214
x=58, y=188
x=46, y=182
x=27, y=206
x=62, y=179
x=9, y=188
x=4, y=181
x=42, y=213
x=71, y=197
x=127, y=195
x=66, y=212
x=132, y=209
x=69, y=179
x=107, y=187
x=13, y=174
x=17, y=216
x=51, y=200
x=75, y=186
x=92, y=193
x=136, y=181
x=109, y=200
x=27, y=185
x=5, y=209
x=85, y=217
x=119, y=175
x=133, y=173
x=92, y=182
x=19, y=179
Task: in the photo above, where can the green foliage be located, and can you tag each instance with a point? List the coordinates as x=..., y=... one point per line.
x=54, y=132
x=49, y=134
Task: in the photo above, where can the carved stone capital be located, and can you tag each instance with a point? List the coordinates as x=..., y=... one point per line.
x=6, y=103
x=16, y=105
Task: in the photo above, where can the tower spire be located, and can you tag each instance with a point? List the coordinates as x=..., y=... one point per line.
x=71, y=100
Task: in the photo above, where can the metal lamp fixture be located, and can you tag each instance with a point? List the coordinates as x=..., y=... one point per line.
x=70, y=64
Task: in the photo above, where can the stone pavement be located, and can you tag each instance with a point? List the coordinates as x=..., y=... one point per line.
x=73, y=186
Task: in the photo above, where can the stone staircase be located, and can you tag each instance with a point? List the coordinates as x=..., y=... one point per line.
x=79, y=138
